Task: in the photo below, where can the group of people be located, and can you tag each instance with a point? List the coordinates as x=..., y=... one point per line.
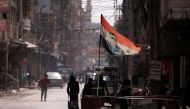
x=73, y=89
x=88, y=87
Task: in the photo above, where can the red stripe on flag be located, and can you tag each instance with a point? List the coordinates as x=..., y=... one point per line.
x=120, y=38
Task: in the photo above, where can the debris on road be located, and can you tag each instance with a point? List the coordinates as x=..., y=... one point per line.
x=13, y=92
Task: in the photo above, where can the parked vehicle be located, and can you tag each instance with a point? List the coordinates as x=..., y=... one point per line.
x=140, y=91
x=55, y=79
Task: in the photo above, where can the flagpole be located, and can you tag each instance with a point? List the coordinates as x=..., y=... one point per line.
x=98, y=65
x=99, y=52
x=100, y=40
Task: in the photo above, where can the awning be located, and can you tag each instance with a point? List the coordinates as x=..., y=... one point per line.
x=30, y=45
x=17, y=43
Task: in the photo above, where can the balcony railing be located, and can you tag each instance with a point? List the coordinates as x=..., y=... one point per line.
x=175, y=14
x=174, y=10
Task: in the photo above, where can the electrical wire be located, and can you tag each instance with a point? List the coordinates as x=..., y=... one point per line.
x=101, y=7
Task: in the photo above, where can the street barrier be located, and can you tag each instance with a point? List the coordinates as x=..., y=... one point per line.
x=134, y=102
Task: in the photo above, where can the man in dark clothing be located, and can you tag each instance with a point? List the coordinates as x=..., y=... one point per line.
x=44, y=86
x=73, y=89
x=29, y=78
x=103, y=87
x=124, y=91
x=186, y=94
x=88, y=88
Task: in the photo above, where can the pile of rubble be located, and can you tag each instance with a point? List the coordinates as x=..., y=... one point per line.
x=12, y=92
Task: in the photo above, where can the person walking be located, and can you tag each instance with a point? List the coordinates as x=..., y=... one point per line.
x=44, y=83
x=73, y=89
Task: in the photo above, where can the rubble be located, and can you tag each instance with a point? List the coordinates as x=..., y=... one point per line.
x=13, y=92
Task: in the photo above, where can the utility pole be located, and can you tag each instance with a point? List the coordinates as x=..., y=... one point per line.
x=131, y=36
x=127, y=62
x=115, y=9
x=20, y=34
x=7, y=61
x=41, y=35
x=7, y=34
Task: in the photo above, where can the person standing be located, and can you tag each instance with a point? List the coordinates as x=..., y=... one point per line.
x=73, y=89
x=124, y=91
x=29, y=78
x=103, y=87
x=44, y=83
x=186, y=94
x=88, y=88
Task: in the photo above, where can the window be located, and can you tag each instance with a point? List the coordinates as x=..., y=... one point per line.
x=4, y=16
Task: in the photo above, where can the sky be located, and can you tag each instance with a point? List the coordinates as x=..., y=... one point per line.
x=104, y=7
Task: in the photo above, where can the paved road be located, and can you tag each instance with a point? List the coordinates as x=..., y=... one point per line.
x=57, y=99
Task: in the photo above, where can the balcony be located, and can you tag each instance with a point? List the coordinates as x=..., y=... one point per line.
x=174, y=11
x=5, y=5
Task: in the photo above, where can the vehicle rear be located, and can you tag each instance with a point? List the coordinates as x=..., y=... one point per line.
x=55, y=79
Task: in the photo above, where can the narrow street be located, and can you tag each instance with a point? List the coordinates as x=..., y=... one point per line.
x=56, y=99
x=131, y=54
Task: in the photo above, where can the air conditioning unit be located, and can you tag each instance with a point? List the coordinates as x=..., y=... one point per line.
x=26, y=24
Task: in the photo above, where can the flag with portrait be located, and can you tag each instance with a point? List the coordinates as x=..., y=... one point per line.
x=116, y=43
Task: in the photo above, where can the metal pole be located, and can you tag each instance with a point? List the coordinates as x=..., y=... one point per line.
x=131, y=35
x=40, y=66
x=17, y=76
x=100, y=41
x=20, y=19
x=21, y=34
x=7, y=63
x=39, y=41
x=98, y=86
x=39, y=51
x=99, y=53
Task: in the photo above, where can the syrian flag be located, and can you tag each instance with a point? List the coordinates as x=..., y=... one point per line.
x=116, y=43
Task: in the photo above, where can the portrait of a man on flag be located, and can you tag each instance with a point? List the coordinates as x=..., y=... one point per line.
x=116, y=43
x=111, y=40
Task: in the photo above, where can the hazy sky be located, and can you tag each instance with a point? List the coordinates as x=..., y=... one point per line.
x=104, y=7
